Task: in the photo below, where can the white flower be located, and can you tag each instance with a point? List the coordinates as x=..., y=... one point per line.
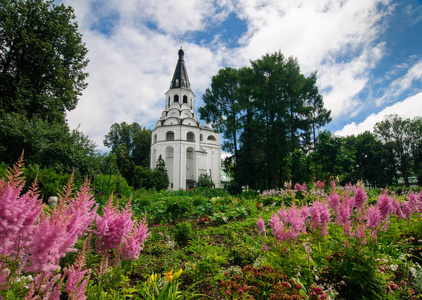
x=413, y=271
x=393, y=268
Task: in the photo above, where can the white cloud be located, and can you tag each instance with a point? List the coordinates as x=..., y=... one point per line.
x=335, y=38
x=402, y=84
x=130, y=69
x=408, y=108
x=132, y=65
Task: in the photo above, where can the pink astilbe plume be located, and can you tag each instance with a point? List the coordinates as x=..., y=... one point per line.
x=113, y=227
x=409, y=206
x=135, y=241
x=277, y=228
x=17, y=213
x=116, y=230
x=385, y=205
x=297, y=221
x=56, y=234
x=260, y=224
x=76, y=281
x=344, y=215
x=320, y=216
x=360, y=197
x=374, y=219
x=396, y=209
x=288, y=224
x=419, y=202
x=320, y=185
x=334, y=201
x=49, y=236
x=81, y=212
x=299, y=187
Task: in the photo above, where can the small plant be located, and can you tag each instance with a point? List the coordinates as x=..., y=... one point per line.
x=260, y=283
x=183, y=233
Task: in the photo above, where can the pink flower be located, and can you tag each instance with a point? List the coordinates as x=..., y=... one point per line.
x=56, y=234
x=385, y=205
x=320, y=216
x=17, y=213
x=334, y=201
x=299, y=187
x=116, y=230
x=409, y=207
x=76, y=285
x=261, y=226
x=374, y=219
x=288, y=224
x=344, y=214
x=112, y=227
x=320, y=185
x=360, y=197
x=135, y=241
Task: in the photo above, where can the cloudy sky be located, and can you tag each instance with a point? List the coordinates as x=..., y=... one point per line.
x=368, y=54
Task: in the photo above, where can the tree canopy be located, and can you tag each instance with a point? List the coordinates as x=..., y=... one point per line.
x=265, y=111
x=131, y=144
x=42, y=59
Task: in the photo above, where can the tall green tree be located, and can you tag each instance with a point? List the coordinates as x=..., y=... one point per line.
x=393, y=131
x=415, y=137
x=131, y=145
x=271, y=112
x=266, y=111
x=42, y=59
x=334, y=156
x=153, y=179
x=372, y=161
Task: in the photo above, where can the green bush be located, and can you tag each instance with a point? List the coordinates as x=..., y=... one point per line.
x=183, y=233
x=353, y=274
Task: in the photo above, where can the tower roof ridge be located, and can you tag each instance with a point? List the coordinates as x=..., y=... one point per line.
x=180, y=76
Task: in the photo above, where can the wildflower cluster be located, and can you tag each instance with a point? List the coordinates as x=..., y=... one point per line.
x=34, y=238
x=352, y=213
x=253, y=283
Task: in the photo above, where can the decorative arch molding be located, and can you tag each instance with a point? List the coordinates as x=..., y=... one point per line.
x=186, y=106
x=175, y=105
x=172, y=121
x=186, y=114
x=190, y=122
x=211, y=138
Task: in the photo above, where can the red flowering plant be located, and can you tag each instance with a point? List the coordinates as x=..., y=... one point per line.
x=260, y=283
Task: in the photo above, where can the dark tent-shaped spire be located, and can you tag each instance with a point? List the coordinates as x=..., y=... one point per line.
x=180, y=76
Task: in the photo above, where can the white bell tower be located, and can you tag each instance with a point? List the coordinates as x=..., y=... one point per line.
x=188, y=148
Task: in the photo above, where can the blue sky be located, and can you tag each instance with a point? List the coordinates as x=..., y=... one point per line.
x=368, y=54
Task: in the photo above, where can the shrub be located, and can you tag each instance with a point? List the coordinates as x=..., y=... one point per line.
x=183, y=233
x=353, y=275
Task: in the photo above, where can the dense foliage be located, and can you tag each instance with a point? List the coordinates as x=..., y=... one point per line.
x=265, y=111
x=42, y=58
x=307, y=242
x=42, y=61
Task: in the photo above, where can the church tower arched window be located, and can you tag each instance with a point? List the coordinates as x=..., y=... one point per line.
x=185, y=99
x=176, y=98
